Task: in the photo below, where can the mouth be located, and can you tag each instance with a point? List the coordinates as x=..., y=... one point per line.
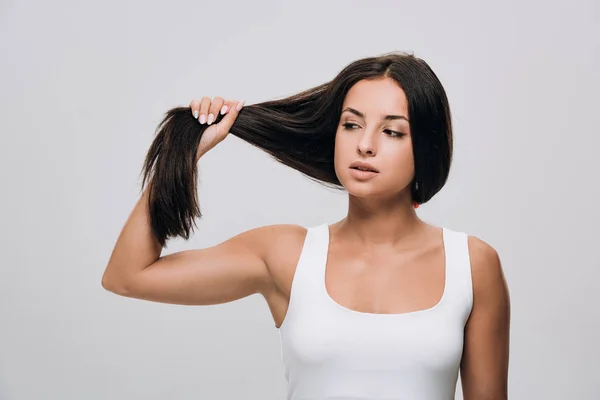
x=363, y=169
x=362, y=166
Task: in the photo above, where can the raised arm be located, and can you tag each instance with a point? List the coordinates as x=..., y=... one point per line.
x=231, y=270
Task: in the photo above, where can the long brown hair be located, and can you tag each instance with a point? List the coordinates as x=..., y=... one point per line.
x=299, y=131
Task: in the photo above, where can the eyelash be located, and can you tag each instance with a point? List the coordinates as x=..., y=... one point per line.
x=394, y=134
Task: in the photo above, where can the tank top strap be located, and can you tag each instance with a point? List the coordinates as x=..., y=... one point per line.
x=305, y=291
x=459, y=289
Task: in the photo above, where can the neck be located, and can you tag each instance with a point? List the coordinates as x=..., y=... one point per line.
x=376, y=222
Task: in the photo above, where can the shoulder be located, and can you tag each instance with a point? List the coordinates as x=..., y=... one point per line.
x=489, y=283
x=274, y=245
x=274, y=248
x=280, y=244
x=268, y=235
x=484, y=258
x=265, y=238
x=272, y=237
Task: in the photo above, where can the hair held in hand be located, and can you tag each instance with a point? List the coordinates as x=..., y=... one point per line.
x=299, y=131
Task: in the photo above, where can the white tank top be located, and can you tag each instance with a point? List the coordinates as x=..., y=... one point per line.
x=332, y=352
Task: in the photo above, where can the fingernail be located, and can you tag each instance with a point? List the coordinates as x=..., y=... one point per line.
x=223, y=110
x=196, y=114
x=210, y=119
x=202, y=118
x=240, y=105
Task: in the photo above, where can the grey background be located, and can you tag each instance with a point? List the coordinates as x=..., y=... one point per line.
x=84, y=84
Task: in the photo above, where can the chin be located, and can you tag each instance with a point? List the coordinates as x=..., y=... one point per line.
x=370, y=189
x=364, y=189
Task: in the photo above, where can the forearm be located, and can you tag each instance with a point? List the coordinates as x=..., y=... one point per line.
x=136, y=247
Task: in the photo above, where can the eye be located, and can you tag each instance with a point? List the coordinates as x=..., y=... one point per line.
x=394, y=133
x=389, y=132
x=349, y=125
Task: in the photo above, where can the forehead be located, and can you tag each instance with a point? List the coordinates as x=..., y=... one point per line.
x=379, y=96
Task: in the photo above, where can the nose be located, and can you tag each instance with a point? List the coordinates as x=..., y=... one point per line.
x=366, y=145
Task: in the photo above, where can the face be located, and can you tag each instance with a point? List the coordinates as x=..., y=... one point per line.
x=374, y=129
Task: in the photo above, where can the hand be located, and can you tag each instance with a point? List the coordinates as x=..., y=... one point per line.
x=206, y=111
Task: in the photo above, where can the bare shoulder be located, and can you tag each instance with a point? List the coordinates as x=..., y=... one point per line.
x=483, y=256
x=487, y=272
x=277, y=239
x=270, y=238
x=281, y=246
x=280, y=233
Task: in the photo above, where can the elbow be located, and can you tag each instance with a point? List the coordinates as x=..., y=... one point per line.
x=114, y=285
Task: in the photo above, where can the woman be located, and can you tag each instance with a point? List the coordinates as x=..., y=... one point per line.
x=380, y=305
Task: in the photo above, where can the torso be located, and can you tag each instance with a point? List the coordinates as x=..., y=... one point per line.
x=379, y=280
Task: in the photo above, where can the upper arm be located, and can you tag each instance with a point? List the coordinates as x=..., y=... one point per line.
x=231, y=270
x=484, y=367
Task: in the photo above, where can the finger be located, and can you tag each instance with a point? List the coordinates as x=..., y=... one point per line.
x=195, y=108
x=204, y=105
x=227, y=122
x=229, y=104
x=215, y=107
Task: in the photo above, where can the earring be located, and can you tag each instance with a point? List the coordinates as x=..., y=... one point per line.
x=415, y=204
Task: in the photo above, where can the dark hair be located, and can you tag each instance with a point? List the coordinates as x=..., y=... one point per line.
x=299, y=131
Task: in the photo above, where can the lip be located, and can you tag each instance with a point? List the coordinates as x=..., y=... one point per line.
x=364, y=165
x=362, y=175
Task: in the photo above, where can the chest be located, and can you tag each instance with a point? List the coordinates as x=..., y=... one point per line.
x=385, y=282
x=429, y=340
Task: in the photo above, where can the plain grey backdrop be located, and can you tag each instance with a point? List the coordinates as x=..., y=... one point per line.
x=84, y=85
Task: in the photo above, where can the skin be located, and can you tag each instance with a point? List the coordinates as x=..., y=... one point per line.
x=382, y=257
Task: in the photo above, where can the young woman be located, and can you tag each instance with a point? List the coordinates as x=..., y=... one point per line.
x=380, y=305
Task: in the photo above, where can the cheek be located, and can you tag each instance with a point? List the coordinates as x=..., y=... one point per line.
x=399, y=161
x=396, y=150
x=343, y=151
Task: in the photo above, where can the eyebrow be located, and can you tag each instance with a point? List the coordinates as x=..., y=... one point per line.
x=387, y=117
